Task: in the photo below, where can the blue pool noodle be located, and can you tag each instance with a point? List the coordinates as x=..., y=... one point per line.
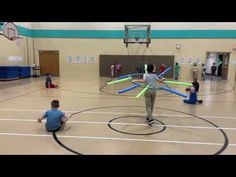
x=173, y=91
x=160, y=75
x=129, y=88
x=164, y=72
x=124, y=76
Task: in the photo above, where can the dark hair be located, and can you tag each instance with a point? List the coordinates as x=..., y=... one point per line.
x=187, y=89
x=55, y=104
x=150, y=68
x=176, y=63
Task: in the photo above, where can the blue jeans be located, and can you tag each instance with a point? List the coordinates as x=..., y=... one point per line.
x=189, y=102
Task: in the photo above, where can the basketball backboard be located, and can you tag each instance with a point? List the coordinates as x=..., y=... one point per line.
x=137, y=34
x=10, y=31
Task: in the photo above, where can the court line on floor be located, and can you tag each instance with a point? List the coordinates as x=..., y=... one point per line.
x=131, y=124
x=21, y=95
x=131, y=98
x=214, y=94
x=24, y=94
x=122, y=113
x=115, y=139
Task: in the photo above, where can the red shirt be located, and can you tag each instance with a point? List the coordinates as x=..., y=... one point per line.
x=162, y=68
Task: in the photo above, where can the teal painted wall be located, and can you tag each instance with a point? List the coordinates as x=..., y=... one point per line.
x=119, y=34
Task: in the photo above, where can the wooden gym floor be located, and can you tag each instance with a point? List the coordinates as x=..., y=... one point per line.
x=107, y=123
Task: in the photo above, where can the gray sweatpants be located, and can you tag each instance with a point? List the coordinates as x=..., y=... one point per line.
x=150, y=97
x=195, y=75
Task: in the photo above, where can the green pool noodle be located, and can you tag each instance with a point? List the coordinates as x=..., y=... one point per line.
x=120, y=80
x=142, y=92
x=178, y=83
x=219, y=64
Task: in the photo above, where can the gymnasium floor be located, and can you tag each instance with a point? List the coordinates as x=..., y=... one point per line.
x=107, y=123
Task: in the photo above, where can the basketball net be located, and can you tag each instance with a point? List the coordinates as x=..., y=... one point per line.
x=136, y=40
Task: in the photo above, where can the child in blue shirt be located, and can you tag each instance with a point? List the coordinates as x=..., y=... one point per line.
x=55, y=118
x=192, y=98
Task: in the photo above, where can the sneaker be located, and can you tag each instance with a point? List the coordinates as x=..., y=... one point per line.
x=200, y=101
x=150, y=122
x=147, y=119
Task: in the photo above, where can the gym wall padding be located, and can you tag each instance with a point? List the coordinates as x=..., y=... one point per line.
x=24, y=72
x=14, y=72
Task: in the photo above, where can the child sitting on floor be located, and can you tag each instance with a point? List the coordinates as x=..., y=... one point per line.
x=56, y=119
x=192, y=98
x=196, y=85
x=48, y=82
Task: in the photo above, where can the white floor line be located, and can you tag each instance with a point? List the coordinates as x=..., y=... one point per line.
x=164, y=115
x=132, y=124
x=115, y=139
x=124, y=113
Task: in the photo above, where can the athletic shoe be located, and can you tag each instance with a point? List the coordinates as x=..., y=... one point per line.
x=150, y=122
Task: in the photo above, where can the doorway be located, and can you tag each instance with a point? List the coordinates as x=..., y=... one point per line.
x=221, y=60
x=49, y=62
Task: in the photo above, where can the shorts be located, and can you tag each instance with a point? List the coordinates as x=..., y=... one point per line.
x=52, y=86
x=56, y=130
x=190, y=101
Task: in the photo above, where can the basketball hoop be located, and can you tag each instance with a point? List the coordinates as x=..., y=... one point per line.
x=10, y=31
x=137, y=34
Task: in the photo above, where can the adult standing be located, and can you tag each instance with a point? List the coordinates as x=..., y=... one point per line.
x=195, y=71
x=177, y=70
x=213, y=71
